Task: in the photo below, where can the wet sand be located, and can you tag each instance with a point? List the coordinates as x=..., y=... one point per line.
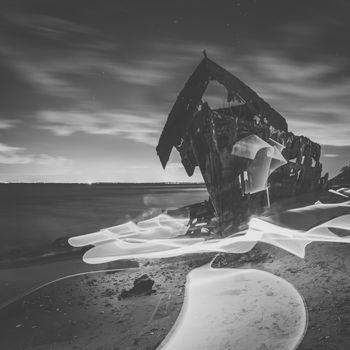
x=85, y=312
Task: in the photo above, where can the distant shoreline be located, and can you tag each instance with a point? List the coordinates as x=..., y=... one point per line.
x=107, y=183
x=38, y=218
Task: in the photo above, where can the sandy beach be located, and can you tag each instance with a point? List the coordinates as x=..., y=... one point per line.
x=63, y=303
x=85, y=312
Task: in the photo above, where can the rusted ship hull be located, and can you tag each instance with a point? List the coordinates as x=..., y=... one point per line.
x=245, y=152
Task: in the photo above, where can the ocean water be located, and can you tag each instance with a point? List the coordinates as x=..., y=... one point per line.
x=32, y=216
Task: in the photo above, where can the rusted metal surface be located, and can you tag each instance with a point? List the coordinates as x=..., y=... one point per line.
x=206, y=137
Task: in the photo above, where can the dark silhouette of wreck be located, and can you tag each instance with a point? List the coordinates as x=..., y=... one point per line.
x=234, y=147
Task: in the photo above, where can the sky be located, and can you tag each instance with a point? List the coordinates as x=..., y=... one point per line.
x=86, y=86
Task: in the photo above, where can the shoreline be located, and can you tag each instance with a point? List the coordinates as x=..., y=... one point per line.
x=32, y=290
x=59, y=249
x=81, y=308
x=18, y=280
x=319, y=278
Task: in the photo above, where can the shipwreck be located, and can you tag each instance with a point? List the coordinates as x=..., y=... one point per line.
x=244, y=151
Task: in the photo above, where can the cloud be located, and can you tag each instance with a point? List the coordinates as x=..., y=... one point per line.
x=331, y=155
x=75, y=72
x=137, y=127
x=139, y=72
x=74, y=59
x=334, y=158
x=54, y=28
x=174, y=166
x=47, y=78
x=7, y=124
x=18, y=156
x=138, y=167
x=38, y=22
x=56, y=51
x=163, y=64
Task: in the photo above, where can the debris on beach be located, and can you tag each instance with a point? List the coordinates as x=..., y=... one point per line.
x=142, y=286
